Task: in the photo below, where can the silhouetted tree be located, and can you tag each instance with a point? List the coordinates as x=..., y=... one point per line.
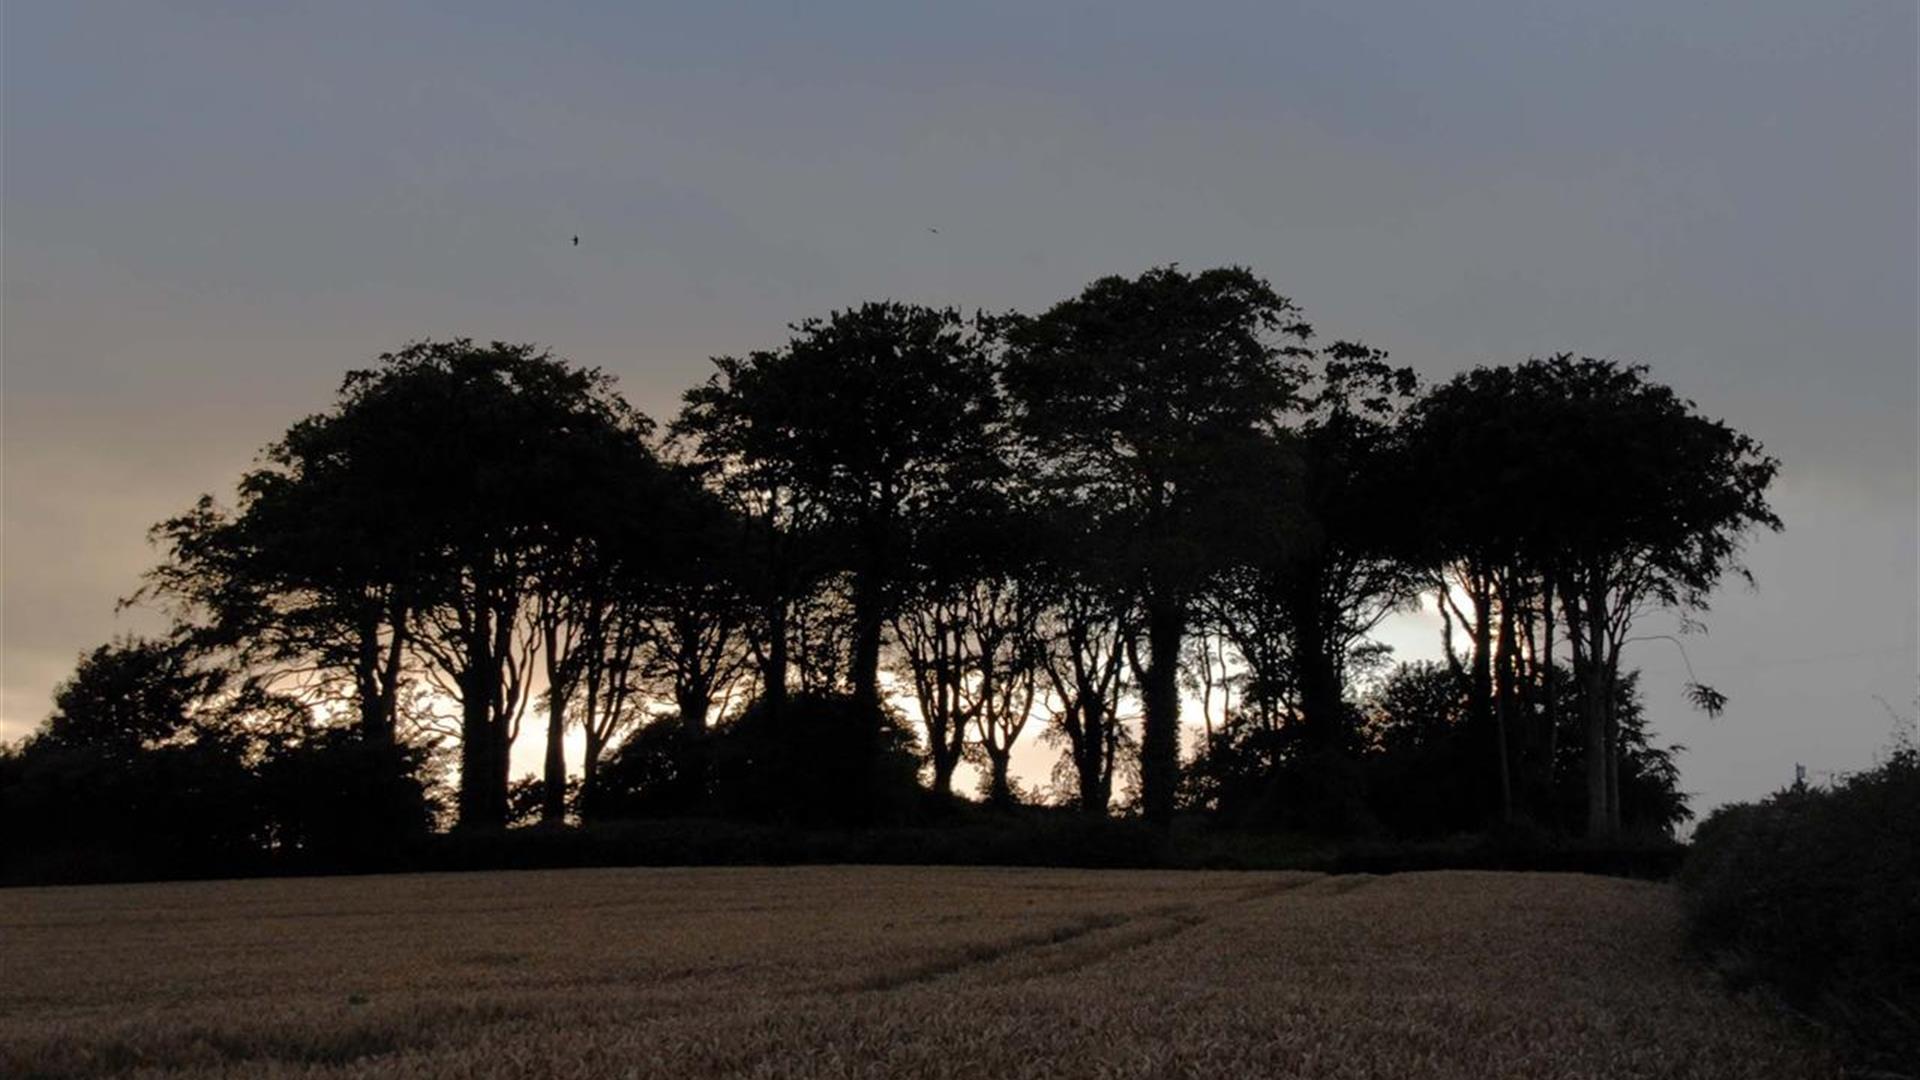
x=699, y=603
x=1000, y=615
x=684, y=601
x=1156, y=487
x=934, y=654
x=1609, y=489
x=737, y=445
x=645, y=776
x=132, y=695
x=1151, y=404
x=138, y=771
x=1423, y=766
x=332, y=798
x=1340, y=572
x=625, y=535
x=310, y=581
x=1482, y=493
x=964, y=631
x=476, y=449
x=1085, y=616
x=1298, y=610
x=864, y=419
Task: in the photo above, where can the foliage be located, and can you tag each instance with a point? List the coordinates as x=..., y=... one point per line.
x=1149, y=406
x=1157, y=486
x=159, y=763
x=1299, y=611
x=819, y=763
x=1425, y=770
x=336, y=798
x=78, y=811
x=132, y=695
x=1817, y=892
x=1581, y=483
x=648, y=775
x=816, y=763
x=866, y=419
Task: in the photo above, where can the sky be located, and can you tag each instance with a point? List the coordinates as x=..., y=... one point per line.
x=209, y=212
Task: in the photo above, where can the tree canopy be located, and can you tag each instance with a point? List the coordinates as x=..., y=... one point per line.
x=913, y=539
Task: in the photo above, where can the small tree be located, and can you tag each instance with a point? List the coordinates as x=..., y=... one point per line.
x=141, y=769
x=964, y=631
x=134, y=694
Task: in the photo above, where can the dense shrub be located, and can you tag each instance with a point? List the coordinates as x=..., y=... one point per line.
x=1027, y=836
x=975, y=835
x=820, y=762
x=655, y=773
x=1423, y=770
x=336, y=799
x=1817, y=892
x=217, y=803
x=1233, y=775
x=1432, y=772
x=86, y=811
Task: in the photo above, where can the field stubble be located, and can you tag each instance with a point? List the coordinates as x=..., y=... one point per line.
x=873, y=972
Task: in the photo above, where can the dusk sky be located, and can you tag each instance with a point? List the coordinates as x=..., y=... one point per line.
x=212, y=211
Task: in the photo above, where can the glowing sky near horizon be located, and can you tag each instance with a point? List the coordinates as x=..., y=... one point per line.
x=211, y=211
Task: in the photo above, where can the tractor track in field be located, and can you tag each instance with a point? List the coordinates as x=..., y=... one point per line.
x=1077, y=945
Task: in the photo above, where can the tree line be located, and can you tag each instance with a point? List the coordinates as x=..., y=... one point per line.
x=909, y=537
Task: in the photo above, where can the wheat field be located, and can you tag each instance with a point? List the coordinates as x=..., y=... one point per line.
x=873, y=972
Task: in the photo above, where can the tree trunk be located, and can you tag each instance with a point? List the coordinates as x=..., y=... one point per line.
x=1481, y=688
x=695, y=700
x=589, y=771
x=502, y=765
x=1098, y=796
x=1593, y=712
x=1550, y=697
x=1160, y=693
x=870, y=604
x=1594, y=725
x=869, y=618
x=864, y=665
x=376, y=721
x=773, y=677
x=1503, y=701
x=1086, y=767
x=553, y=795
x=483, y=785
x=1322, y=698
x=946, y=728
x=553, y=787
x=483, y=769
x=1612, y=749
x=943, y=767
x=374, y=726
x=999, y=788
x=1092, y=734
x=1480, y=705
x=477, y=810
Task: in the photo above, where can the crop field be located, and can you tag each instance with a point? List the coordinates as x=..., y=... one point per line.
x=873, y=972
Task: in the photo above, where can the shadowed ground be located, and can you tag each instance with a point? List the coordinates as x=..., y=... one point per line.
x=861, y=971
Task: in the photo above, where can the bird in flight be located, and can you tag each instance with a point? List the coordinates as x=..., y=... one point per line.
x=933, y=230
x=576, y=241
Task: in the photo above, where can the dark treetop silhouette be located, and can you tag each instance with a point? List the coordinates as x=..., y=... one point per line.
x=1158, y=488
